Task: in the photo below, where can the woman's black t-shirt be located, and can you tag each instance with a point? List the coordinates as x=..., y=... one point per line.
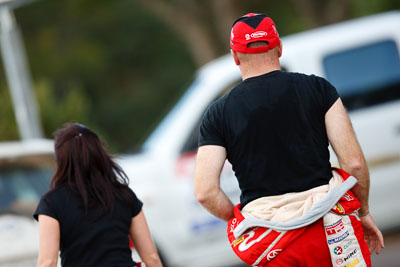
x=87, y=239
x=273, y=128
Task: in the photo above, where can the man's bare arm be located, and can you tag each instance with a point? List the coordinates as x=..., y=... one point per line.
x=351, y=159
x=209, y=164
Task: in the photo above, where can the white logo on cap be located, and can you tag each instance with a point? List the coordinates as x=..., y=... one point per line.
x=258, y=34
x=273, y=27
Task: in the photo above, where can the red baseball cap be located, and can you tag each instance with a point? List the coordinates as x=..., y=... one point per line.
x=251, y=28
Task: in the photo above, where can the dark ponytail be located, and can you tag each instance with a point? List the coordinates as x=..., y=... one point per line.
x=84, y=166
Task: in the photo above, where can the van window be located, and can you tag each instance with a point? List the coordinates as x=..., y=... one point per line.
x=23, y=180
x=365, y=75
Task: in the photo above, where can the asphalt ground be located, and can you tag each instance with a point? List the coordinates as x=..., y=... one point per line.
x=390, y=255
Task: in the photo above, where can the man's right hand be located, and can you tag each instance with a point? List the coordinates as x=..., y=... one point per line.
x=372, y=234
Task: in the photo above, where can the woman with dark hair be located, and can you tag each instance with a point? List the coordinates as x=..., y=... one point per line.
x=90, y=212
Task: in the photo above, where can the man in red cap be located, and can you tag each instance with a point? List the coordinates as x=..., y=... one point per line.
x=274, y=128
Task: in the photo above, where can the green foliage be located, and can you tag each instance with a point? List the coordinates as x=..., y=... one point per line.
x=363, y=8
x=74, y=105
x=116, y=68
x=283, y=13
x=8, y=127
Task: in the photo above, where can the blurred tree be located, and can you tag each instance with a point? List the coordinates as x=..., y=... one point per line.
x=317, y=13
x=202, y=25
x=123, y=66
x=8, y=125
x=56, y=110
x=118, y=66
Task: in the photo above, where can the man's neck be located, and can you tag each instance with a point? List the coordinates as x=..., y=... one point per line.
x=249, y=74
x=257, y=71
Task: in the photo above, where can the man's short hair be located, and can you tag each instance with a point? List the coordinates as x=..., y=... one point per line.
x=257, y=44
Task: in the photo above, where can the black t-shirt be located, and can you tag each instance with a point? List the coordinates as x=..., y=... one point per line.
x=273, y=128
x=90, y=240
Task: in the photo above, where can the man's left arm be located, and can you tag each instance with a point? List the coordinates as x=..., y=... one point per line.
x=207, y=190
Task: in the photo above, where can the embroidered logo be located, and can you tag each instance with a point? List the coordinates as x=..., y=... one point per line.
x=338, y=250
x=257, y=34
x=350, y=255
x=272, y=254
x=339, y=261
x=348, y=197
x=338, y=208
x=233, y=224
x=340, y=238
x=247, y=243
x=238, y=241
x=354, y=263
x=336, y=228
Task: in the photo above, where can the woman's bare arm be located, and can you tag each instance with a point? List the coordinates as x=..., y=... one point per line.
x=143, y=242
x=49, y=243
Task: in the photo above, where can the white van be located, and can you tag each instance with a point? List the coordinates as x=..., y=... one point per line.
x=360, y=57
